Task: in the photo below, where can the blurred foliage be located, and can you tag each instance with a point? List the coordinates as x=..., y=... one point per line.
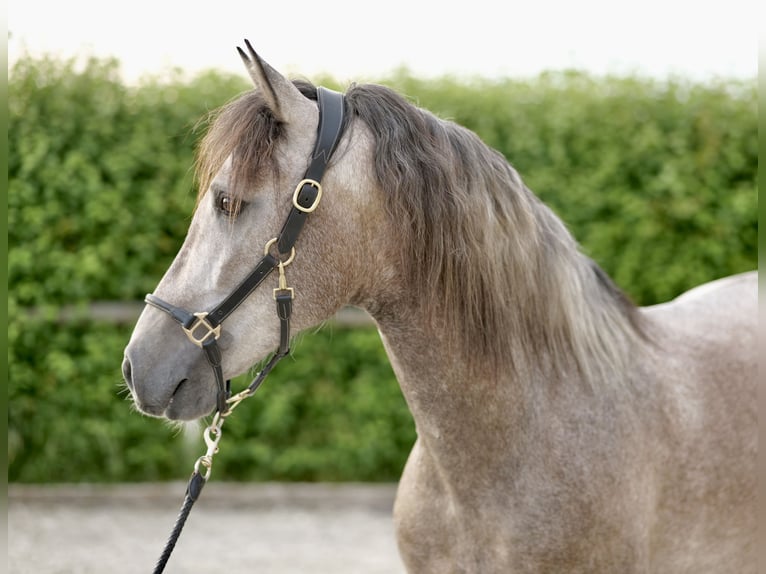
x=656, y=179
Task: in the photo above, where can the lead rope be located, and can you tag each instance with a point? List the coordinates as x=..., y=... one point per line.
x=212, y=435
x=283, y=295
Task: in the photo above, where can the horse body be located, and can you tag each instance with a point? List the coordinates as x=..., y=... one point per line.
x=548, y=476
x=560, y=429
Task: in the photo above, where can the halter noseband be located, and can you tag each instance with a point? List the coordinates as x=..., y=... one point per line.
x=204, y=328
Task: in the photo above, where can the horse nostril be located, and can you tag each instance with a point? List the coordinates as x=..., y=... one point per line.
x=127, y=372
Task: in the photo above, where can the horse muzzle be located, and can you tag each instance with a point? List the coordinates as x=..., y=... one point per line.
x=183, y=391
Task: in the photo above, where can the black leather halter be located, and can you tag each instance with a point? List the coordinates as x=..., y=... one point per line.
x=204, y=328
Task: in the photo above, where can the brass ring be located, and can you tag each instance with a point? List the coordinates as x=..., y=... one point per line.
x=284, y=263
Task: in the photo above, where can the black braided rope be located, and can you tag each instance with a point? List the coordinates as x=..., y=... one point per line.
x=196, y=482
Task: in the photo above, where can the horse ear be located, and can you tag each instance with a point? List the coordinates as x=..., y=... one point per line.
x=280, y=93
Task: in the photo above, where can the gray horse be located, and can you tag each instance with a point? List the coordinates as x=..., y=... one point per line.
x=560, y=428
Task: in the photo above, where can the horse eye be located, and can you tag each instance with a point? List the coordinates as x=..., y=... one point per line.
x=227, y=205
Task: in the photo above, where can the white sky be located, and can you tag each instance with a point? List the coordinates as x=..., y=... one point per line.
x=356, y=40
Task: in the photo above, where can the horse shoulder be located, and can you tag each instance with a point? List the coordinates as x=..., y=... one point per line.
x=704, y=368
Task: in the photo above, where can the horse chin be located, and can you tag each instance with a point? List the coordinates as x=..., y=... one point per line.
x=190, y=402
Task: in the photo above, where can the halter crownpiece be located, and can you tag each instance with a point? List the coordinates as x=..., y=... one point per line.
x=204, y=328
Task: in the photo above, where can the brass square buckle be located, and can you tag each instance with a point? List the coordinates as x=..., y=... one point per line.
x=210, y=331
x=314, y=205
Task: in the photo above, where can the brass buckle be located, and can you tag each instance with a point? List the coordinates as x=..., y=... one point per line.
x=209, y=330
x=313, y=206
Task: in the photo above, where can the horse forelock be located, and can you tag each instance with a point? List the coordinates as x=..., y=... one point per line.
x=506, y=278
x=247, y=130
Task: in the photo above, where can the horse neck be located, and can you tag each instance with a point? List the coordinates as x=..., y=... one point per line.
x=445, y=392
x=475, y=423
x=458, y=396
x=464, y=415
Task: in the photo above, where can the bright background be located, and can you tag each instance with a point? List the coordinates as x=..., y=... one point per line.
x=698, y=40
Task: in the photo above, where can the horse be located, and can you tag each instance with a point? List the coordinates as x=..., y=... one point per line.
x=560, y=428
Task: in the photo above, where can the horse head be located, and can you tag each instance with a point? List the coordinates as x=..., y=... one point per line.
x=257, y=150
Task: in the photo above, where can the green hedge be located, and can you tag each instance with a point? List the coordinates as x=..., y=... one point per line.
x=656, y=179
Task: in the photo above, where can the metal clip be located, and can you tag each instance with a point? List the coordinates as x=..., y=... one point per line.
x=212, y=437
x=283, y=282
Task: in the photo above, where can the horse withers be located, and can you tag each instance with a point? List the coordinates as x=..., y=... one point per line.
x=560, y=428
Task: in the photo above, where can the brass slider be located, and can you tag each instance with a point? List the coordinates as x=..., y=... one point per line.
x=202, y=322
x=298, y=188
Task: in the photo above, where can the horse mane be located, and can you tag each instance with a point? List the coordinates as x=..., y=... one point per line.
x=505, y=274
x=505, y=278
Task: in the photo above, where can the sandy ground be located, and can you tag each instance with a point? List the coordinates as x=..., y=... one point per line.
x=259, y=528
